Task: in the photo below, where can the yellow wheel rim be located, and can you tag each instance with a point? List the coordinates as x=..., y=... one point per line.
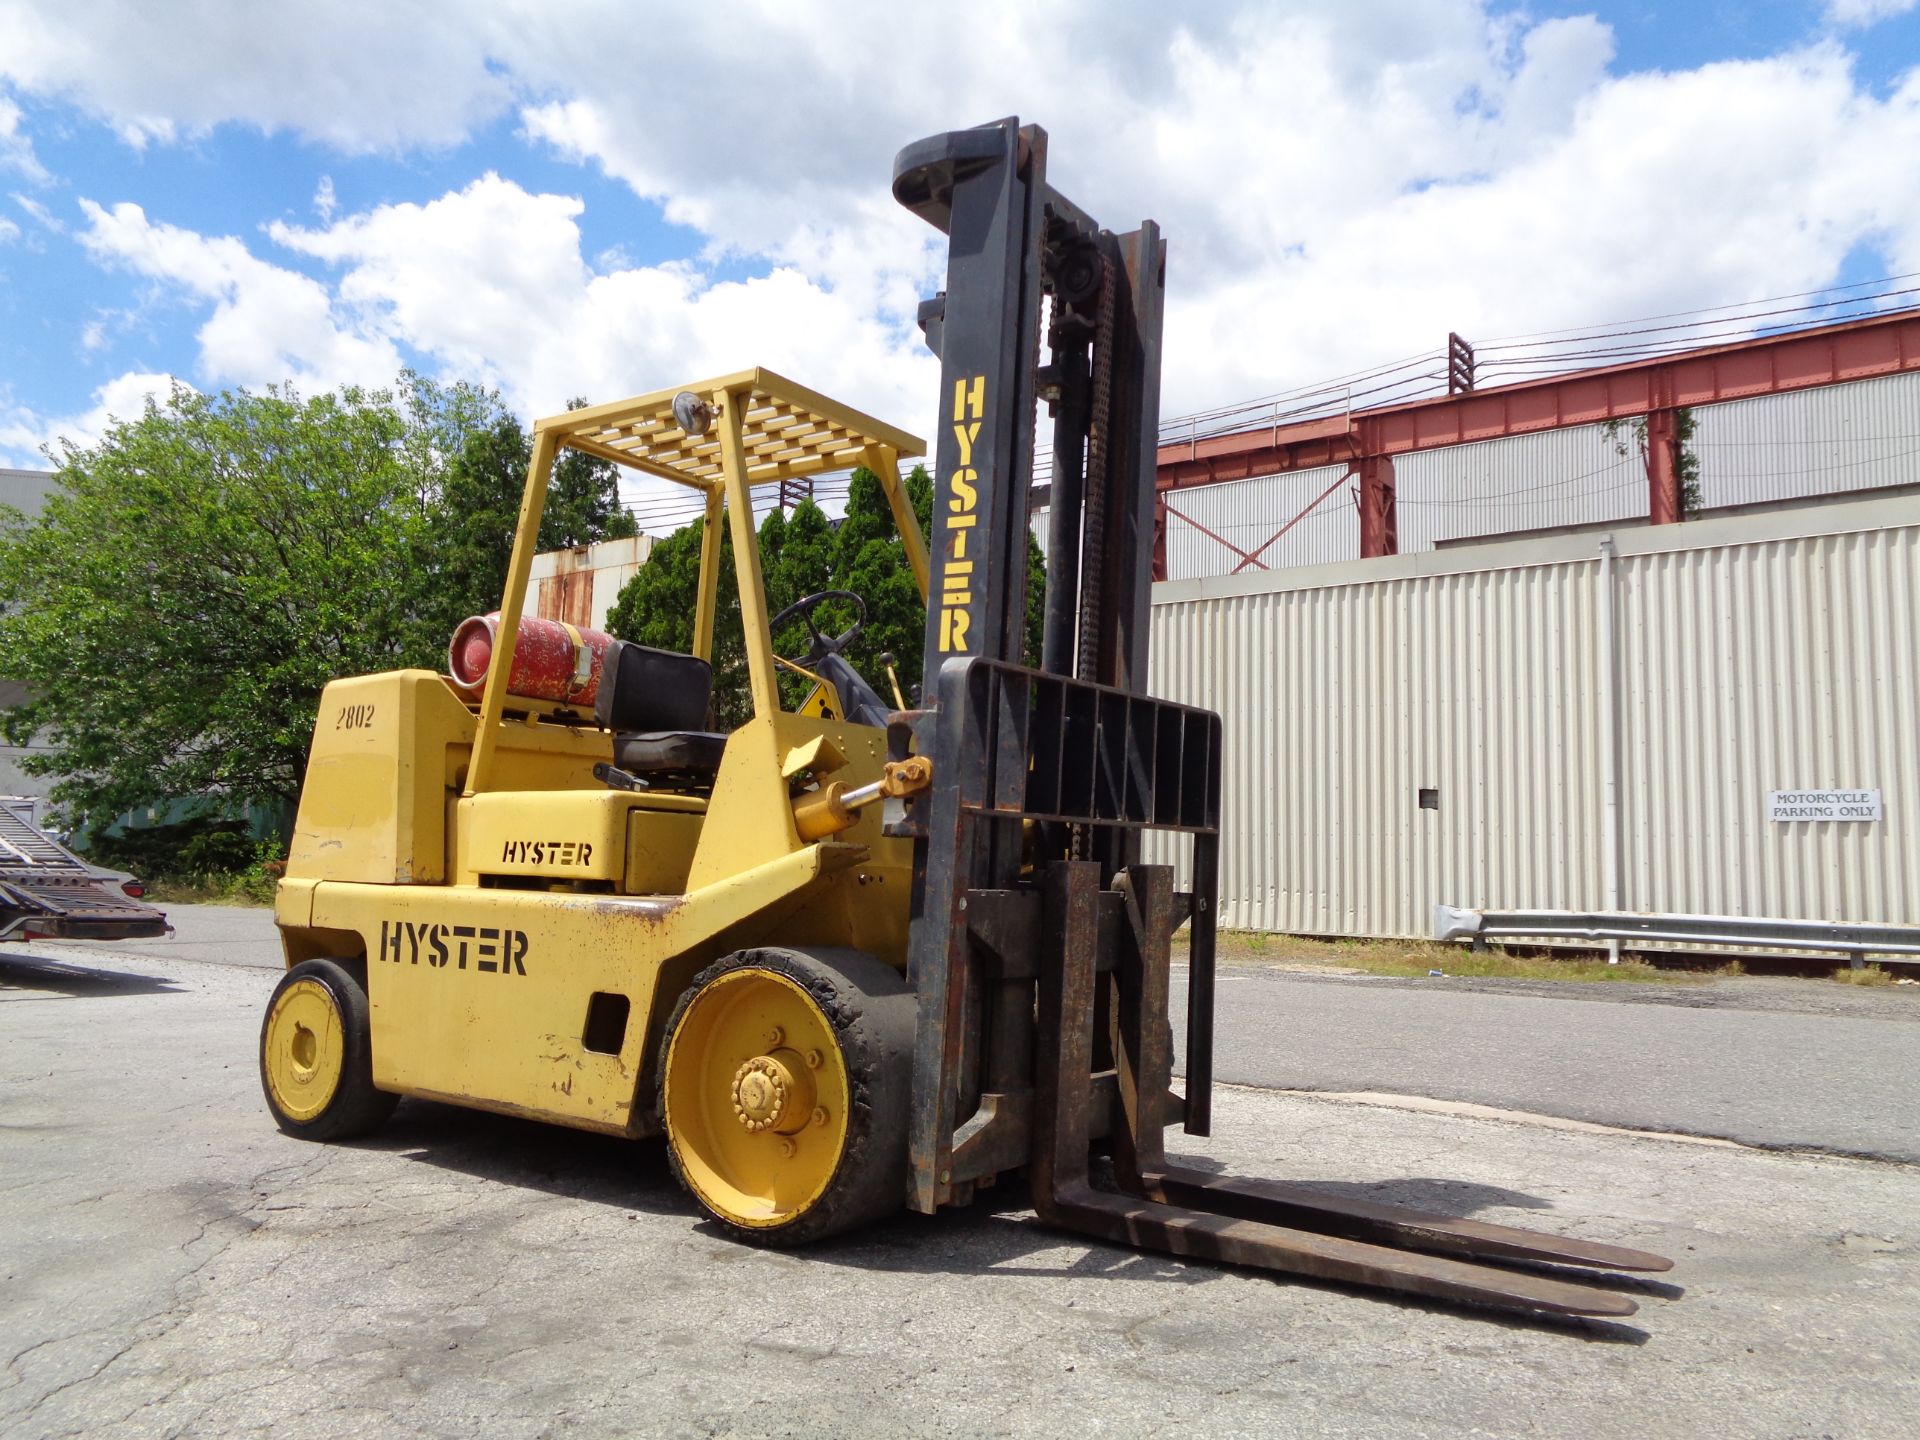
x=756, y=1098
x=305, y=1049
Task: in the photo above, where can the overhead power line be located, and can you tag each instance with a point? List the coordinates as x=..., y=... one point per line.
x=1548, y=352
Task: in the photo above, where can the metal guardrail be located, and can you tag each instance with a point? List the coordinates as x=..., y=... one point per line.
x=1899, y=942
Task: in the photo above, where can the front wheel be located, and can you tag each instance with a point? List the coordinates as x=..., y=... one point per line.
x=316, y=1055
x=784, y=1092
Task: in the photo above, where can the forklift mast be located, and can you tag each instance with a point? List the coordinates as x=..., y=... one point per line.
x=1039, y=953
x=1069, y=760
x=1016, y=241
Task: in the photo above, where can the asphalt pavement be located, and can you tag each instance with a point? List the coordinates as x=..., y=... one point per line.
x=170, y=1264
x=1786, y=1063
x=1775, y=1062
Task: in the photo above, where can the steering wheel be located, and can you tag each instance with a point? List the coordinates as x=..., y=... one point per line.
x=821, y=646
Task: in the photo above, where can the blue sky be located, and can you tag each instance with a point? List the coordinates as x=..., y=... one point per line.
x=597, y=199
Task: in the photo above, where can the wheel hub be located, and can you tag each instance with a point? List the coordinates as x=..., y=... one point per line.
x=751, y=1065
x=305, y=1049
x=773, y=1092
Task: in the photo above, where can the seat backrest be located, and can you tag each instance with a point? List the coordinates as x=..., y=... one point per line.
x=643, y=690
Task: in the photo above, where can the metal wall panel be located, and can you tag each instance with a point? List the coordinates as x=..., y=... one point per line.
x=580, y=586
x=1755, y=653
x=1810, y=442
x=1576, y=476
x=1248, y=512
x=1784, y=665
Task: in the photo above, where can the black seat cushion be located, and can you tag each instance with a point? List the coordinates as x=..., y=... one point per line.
x=655, y=702
x=669, y=750
x=647, y=691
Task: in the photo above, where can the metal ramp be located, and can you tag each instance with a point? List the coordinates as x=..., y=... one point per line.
x=48, y=893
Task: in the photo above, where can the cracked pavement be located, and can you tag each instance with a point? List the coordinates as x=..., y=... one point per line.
x=170, y=1264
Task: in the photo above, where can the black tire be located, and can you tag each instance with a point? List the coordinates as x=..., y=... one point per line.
x=354, y=1107
x=872, y=1014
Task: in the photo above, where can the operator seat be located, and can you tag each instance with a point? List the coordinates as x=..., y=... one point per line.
x=654, y=701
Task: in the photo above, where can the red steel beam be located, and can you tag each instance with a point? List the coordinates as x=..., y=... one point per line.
x=1773, y=365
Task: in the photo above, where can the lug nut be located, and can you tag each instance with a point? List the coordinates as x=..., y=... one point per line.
x=819, y=1115
x=775, y=1036
x=787, y=1147
x=814, y=1059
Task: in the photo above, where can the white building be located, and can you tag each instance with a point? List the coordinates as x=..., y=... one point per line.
x=580, y=585
x=25, y=491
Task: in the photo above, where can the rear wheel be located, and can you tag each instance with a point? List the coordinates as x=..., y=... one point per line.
x=784, y=1092
x=316, y=1055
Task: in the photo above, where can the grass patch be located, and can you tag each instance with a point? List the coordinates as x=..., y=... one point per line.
x=196, y=862
x=232, y=889
x=1865, y=975
x=1499, y=965
x=1422, y=957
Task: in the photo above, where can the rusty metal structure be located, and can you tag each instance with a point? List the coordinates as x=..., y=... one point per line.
x=49, y=893
x=1041, y=946
x=1654, y=390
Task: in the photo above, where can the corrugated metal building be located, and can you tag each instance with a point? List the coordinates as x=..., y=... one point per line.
x=1780, y=447
x=1432, y=727
x=580, y=585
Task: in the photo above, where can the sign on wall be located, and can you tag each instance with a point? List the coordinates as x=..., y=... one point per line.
x=1823, y=805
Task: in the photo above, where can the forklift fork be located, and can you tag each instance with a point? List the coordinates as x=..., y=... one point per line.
x=1256, y=1223
x=1045, y=999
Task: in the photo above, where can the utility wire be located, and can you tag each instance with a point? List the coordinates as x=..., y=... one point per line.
x=1545, y=352
x=1715, y=309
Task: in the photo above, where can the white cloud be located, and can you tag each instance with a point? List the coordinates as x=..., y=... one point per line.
x=32, y=442
x=363, y=75
x=42, y=216
x=1340, y=184
x=1667, y=192
x=490, y=281
x=16, y=151
x=325, y=202
x=267, y=324
x=9, y=232
x=1857, y=14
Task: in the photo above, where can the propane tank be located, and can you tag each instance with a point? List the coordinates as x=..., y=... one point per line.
x=552, y=660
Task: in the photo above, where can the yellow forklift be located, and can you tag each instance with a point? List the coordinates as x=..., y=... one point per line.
x=853, y=957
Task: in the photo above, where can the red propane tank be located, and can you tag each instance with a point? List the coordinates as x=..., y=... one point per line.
x=552, y=660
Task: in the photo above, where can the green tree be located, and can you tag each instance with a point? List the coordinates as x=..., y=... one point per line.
x=196, y=578
x=583, y=500
x=871, y=561
x=464, y=553
x=202, y=571
x=801, y=554
x=1687, y=461
x=801, y=565
x=471, y=542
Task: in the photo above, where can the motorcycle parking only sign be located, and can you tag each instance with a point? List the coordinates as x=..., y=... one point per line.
x=1788, y=805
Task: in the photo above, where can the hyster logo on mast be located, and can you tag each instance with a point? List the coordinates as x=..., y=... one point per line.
x=956, y=574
